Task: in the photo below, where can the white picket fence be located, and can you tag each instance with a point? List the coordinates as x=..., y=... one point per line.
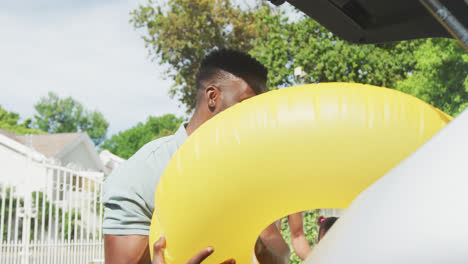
x=57, y=221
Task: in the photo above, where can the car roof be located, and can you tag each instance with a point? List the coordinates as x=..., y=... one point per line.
x=378, y=21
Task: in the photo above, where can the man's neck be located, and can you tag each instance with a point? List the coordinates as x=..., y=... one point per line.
x=196, y=121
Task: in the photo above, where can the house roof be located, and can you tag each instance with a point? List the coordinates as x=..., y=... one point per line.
x=377, y=21
x=8, y=139
x=10, y=135
x=55, y=145
x=50, y=144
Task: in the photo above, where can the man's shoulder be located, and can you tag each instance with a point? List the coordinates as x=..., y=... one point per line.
x=142, y=165
x=153, y=146
x=145, y=155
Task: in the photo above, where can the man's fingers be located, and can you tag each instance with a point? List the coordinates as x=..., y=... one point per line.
x=200, y=256
x=160, y=246
x=158, y=250
x=229, y=261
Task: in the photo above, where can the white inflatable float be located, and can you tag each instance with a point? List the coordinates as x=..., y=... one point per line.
x=417, y=213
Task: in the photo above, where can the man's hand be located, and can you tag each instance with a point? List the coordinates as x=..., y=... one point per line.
x=160, y=246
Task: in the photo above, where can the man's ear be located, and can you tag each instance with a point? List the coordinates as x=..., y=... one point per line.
x=212, y=95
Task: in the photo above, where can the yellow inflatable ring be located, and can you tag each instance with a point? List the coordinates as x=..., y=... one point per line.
x=289, y=150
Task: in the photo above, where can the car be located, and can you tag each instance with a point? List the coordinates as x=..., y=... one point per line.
x=379, y=21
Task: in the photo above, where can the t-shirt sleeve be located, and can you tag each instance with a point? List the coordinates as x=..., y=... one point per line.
x=128, y=198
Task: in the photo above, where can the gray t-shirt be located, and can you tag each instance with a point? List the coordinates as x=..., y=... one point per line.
x=129, y=190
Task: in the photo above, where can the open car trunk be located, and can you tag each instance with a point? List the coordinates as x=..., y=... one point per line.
x=377, y=21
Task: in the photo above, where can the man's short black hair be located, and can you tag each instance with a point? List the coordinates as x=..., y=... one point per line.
x=238, y=63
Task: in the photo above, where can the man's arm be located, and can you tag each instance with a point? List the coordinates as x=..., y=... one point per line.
x=271, y=247
x=128, y=192
x=298, y=239
x=129, y=249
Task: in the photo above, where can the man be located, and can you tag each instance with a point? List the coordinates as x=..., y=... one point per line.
x=225, y=78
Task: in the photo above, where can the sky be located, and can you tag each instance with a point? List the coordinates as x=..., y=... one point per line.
x=86, y=49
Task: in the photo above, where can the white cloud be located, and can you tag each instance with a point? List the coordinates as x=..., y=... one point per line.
x=90, y=53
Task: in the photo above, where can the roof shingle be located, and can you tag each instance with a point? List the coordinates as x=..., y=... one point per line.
x=47, y=144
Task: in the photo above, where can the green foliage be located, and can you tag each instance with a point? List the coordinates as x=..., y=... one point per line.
x=57, y=115
x=310, y=229
x=56, y=212
x=10, y=118
x=74, y=217
x=11, y=121
x=127, y=142
x=440, y=76
x=6, y=211
x=182, y=32
x=283, y=45
x=186, y=30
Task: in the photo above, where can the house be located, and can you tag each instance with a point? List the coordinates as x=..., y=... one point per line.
x=18, y=161
x=22, y=156
x=110, y=161
x=66, y=149
x=61, y=169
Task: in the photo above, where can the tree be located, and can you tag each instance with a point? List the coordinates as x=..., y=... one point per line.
x=55, y=212
x=127, y=142
x=57, y=115
x=182, y=32
x=10, y=118
x=283, y=45
x=69, y=218
x=11, y=121
x=440, y=76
